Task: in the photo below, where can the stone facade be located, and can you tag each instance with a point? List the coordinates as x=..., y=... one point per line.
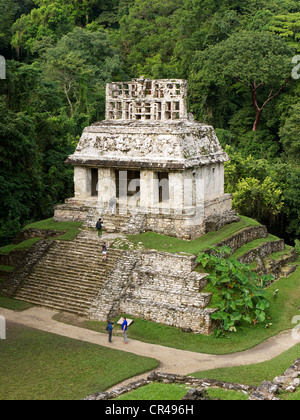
x=145, y=99
x=150, y=158
x=159, y=287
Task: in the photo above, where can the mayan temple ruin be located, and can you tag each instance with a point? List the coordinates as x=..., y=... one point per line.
x=149, y=166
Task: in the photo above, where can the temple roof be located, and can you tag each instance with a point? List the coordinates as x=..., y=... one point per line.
x=180, y=144
x=146, y=99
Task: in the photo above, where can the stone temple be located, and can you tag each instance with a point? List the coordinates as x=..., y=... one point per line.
x=149, y=166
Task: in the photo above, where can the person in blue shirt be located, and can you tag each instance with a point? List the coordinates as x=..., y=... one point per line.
x=99, y=226
x=124, y=330
x=109, y=329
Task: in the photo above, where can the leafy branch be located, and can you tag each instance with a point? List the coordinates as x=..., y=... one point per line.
x=242, y=293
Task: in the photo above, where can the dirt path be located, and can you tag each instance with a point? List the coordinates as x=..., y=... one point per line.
x=171, y=360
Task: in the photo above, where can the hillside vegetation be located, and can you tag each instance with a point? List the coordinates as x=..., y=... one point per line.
x=240, y=61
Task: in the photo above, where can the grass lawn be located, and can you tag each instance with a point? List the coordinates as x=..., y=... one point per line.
x=156, y=391
x=161, y=392
x=254, y=374
x=151, y=240
x=14, y=304
x=71, y=228
x=42, y=366
x=19, y=247
x=287, y=396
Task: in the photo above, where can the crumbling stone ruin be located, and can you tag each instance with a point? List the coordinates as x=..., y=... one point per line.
x=149, y=165
x=197, y=388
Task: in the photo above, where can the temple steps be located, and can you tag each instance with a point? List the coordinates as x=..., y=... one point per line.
x=280, y=265
x=68, y=277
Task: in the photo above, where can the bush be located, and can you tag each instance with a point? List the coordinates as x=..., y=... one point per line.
x=241, y=291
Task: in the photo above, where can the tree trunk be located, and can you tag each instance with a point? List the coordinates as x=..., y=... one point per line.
x=257, y=119
x=69, y=100
x=254, y=88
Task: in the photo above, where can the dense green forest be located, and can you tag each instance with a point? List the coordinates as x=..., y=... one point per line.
x=240, y=58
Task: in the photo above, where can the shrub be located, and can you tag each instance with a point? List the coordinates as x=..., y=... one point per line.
x=242, y=294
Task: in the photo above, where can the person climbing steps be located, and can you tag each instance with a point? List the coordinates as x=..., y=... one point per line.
x=104, y=251
x=99, y=226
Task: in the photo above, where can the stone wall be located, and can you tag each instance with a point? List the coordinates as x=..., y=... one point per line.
x=159, y=287
x=289, y=381
x=262, y=251
x=37, y=233
x=183, y=225
x=25, y=266
x=243, y=237
x=267, y=391
x=167, y=378
x=71, y=211
x=106, y=304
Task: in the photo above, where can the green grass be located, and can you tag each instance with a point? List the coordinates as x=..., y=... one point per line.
x=252, y=245
x=151, y=240
x=7, y=268
x=227, y=395
x=72, y=228
x=157, y=392
x=279, y=254
x=287, y=396
x=69, y=230
x=19, y=247
x=42, y=366
x=14, y=304
x=254, y=374
x=162, y=392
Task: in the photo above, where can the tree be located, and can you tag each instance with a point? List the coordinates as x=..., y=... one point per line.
x=82, y=63
x=258, y=61
x=146, y=39
x=20, y=173
x=289, y=135
x=259, y=200
x=8, y=10
x=287, y=26
x=51, y=20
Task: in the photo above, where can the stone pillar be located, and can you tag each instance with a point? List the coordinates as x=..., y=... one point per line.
x=106, y=187
x=146, y=190
x=176, y=189
x=189, y=192
x=82, y=182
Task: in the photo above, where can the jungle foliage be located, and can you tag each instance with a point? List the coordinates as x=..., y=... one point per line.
x=236, y=55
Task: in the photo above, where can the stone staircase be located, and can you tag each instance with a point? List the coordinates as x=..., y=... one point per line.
x=111, y=222
x=69, y=276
